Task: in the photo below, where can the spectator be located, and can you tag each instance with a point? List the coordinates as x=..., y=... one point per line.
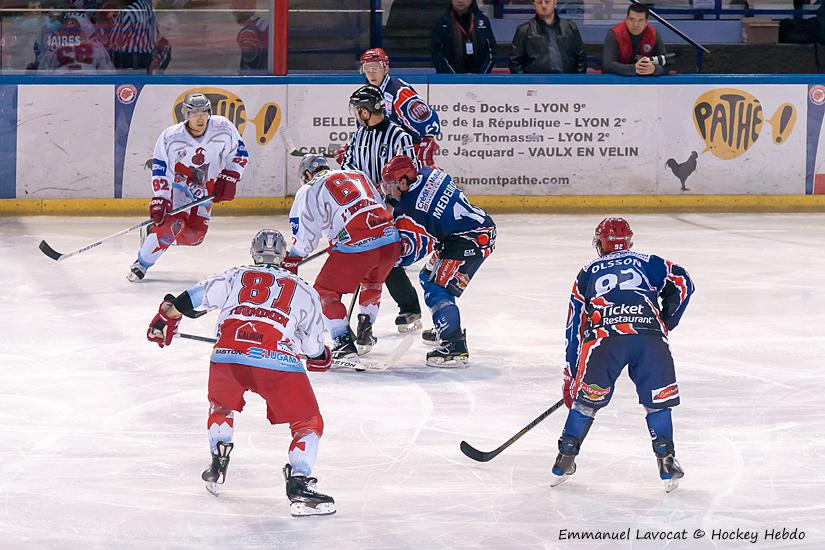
x=253, y=38
x=629, y=46
x=547, y=43
x=462, y=40
x=73, y=51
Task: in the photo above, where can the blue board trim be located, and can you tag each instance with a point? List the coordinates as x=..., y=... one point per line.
x=8, y=142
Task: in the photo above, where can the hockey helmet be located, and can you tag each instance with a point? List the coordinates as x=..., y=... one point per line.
x=268, y=247
x=195, y=102
x=373, y=55
x=613, y=234
x=367, y=97
x=400, y=166
x=312, y=163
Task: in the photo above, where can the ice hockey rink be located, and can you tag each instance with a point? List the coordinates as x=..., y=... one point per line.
x=103, y=435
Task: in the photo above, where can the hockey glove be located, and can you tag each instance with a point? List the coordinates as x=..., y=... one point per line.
x=339, y=154
x=426, y=150
x=225, y=185
x=291, y=263
x=163, y=326
x=158, y=207
x=322, y=363
x=567, y=388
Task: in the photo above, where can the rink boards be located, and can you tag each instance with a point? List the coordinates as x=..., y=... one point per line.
x=560, y=143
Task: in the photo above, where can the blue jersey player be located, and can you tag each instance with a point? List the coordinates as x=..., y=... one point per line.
x=622, y=308
x=431, y=210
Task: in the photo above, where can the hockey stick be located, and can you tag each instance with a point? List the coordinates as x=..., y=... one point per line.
x=198, y=338
x=57, y=256
x=290, y=145
x=481, y=456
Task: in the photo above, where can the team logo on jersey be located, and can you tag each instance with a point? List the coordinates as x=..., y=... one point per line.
x=247, y=333
x=593, y=392
x=660, y=395
x=199, y=158
x=126, y=93
x=419, y=111
x=229, y=105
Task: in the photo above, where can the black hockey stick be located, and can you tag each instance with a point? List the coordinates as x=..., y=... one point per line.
x=293, y=150
x=57, y=256
x=481, y=456
x=198, y=338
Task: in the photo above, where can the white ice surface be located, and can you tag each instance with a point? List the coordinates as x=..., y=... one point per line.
x=103, y=435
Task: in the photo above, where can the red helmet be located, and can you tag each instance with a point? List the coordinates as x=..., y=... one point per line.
x=613, y=234
x=375, y=54
x=400, y=166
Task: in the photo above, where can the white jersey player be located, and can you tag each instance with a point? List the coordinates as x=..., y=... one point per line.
x=268, y=318
x=202, y=155
x=364, y=245
x=74, y=48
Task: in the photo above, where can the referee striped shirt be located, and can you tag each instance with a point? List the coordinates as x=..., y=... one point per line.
x=371, y=147
x=135, y=28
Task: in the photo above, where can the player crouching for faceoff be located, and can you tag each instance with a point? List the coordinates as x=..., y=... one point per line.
x=268, y=317
x=622, y=307
x=429, y=204
x=364, y=246
x=200, y=156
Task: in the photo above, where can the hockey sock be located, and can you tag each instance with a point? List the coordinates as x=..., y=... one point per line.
x=336, y=327
x=303, y=451
x=369, y=299
x=577, y=425
x=220, y=427
x=660, y=424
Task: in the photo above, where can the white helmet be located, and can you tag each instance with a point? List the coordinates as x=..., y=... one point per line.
x=268, y=247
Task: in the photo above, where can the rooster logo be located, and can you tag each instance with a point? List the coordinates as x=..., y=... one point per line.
x=683, y=170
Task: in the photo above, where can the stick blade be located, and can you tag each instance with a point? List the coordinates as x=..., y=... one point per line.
x=475, y=454
x=49, y=251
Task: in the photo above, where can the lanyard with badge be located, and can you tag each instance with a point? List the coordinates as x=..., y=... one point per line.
x=468, y=40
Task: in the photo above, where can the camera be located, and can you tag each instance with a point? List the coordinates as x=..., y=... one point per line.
x=657, y=59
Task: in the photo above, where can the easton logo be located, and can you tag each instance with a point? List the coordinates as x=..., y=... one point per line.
x=665, y=394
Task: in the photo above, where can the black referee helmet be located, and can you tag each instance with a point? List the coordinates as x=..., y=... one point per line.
x=367, y=97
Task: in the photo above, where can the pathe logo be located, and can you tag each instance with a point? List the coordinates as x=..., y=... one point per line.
x=730, y=121
x=228, y=104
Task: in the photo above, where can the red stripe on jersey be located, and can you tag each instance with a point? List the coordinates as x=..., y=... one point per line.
x=625, y=328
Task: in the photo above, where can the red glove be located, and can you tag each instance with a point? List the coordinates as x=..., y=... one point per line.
x=567, y=389
x=291, y=263
x=225, y=185
x=163, y=327
x=339, y=154
x=320, y=364
x=426, y=150
x=158, y=208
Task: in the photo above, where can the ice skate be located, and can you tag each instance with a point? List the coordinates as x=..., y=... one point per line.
x=430, y=337
x=408, y=322
x=136, y=273
x=669, y=469
x=215, y=475
x=450, y=354
x=364, y=340
x=303, y=496
x=564, y=467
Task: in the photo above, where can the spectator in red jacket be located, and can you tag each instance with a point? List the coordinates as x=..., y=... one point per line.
x=633, y=47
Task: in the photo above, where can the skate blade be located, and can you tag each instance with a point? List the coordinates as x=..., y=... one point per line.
x=363, y=349
x=410, y=327
x=460, y=362
x=301, y=509
x=555, y=481
x=213, y=488
x=133, y=277
x=671, y=484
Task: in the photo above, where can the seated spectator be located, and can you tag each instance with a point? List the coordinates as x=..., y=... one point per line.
x=253, y=38
x=462, y=40
x=629, y=46
x=547, y=43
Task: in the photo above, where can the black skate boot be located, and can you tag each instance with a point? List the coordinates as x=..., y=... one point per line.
x=450, y=353
x=430, y=337
x=669, y=469
x=565, y=465
x=136, y=273
x=408, y=322
x=344, y=346
x=304, y=498
x=216, y=473
x=364, y=339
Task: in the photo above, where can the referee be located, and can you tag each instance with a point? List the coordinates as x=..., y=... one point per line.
x=371, y=146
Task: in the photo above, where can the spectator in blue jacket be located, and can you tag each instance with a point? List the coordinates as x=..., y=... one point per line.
x=462, y=40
